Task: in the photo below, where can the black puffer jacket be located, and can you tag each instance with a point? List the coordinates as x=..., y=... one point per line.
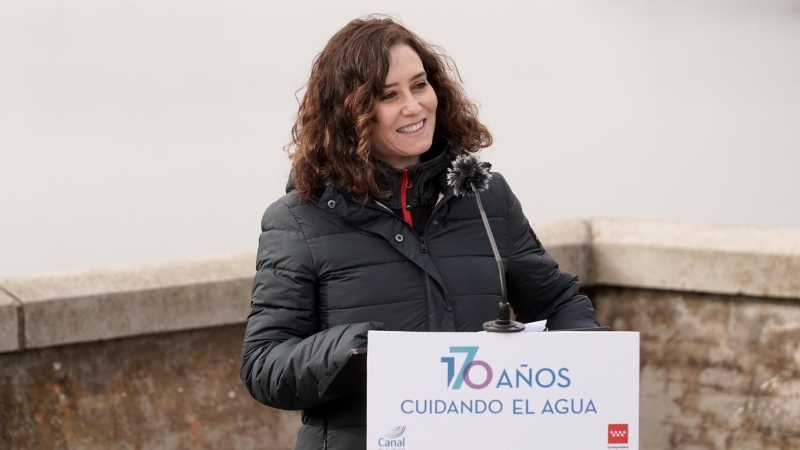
x=329, y=270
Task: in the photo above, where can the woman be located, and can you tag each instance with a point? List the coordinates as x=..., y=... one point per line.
x=370, y=237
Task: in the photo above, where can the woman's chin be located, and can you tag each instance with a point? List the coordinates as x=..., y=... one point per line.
x=417, y=148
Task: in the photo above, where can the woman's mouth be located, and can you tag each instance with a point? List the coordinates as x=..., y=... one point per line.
x=413, y=129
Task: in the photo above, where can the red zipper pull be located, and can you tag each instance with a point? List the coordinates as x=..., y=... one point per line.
x=405, y=183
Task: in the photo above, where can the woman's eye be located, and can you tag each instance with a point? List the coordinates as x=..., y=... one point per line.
x=388, y=96
x=421, y=85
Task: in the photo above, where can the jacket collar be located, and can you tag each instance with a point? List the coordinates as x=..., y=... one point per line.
x=426, y=177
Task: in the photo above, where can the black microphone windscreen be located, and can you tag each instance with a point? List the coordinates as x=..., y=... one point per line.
x=468, y=170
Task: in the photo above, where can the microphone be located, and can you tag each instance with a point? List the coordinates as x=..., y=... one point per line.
x=469, y=176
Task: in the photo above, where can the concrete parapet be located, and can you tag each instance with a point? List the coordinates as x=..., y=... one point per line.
x=152, y=298
x=698, y=258
x=9, y=322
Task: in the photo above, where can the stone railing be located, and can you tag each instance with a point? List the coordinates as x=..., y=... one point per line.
x=147, y=356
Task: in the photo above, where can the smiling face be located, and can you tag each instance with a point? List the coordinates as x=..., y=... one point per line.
x=406, y=112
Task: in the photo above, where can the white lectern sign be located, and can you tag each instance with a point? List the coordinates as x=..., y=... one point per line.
x=554, y=390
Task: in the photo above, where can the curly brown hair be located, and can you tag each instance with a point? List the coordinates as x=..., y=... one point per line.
x=331, y=137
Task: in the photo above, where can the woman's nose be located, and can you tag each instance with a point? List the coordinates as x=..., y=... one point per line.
x=411, y=106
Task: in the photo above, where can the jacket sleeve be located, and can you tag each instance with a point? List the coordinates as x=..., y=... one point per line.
x=285, y=354
x=537, y=289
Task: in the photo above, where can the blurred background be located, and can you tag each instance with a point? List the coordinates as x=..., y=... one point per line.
x=153, y=130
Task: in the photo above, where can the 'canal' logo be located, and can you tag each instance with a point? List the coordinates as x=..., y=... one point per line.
x=393, y=438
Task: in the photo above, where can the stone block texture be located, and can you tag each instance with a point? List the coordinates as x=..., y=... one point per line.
x=9, y=323
x=170, y=391
x=717, y=372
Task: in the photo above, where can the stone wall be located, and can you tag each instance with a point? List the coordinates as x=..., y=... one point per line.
x=717, y=372
x=146, y=356
x=178, y=390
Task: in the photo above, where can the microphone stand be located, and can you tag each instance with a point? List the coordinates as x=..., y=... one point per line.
x=503, y=324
